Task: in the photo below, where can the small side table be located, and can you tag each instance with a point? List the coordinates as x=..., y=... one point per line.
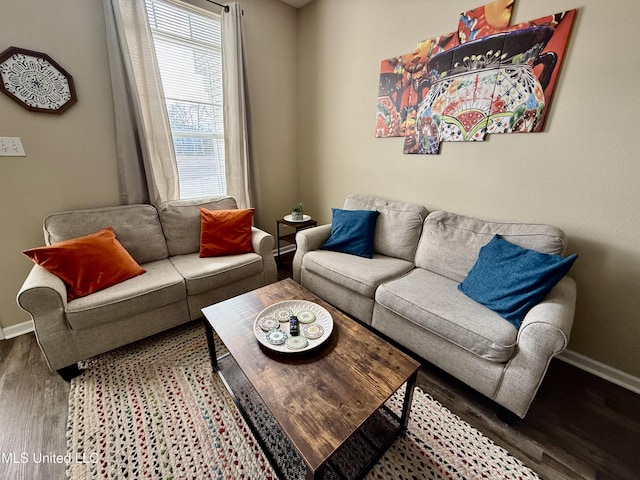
x=290, y=237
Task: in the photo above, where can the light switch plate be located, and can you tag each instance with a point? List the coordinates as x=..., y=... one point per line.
x=11, y=147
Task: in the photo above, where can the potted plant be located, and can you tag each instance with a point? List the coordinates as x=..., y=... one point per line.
x=297, y=212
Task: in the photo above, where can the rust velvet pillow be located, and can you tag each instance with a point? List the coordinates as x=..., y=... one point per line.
x=225, y=232
x=87, y=264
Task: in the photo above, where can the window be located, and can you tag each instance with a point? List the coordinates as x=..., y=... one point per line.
x=187, y=45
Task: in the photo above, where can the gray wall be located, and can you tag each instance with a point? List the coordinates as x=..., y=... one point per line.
x=581, y=174
x=70, y=159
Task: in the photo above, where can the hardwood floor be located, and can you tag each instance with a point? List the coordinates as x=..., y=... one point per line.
x=579, y=426
x=33, y=413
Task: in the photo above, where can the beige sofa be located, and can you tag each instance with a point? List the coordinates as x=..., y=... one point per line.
x=177, y=283
x=409, y=292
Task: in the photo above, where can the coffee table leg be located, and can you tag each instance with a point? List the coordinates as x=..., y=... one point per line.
x=317, y=475
x=408, y=399
x=212, y=346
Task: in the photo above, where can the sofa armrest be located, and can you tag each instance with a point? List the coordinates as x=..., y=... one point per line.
x=308, y=240
x=544, y=333
x=556, y=311
x=262, y=243
x=42, y=292
x=44, y=296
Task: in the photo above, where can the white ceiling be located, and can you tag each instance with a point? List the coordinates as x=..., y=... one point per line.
x=297, y=3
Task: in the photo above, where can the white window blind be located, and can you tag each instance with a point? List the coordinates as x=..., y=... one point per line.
x=187, y=45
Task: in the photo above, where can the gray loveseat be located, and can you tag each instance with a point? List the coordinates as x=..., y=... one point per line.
x=409, y=292
x=177, y=283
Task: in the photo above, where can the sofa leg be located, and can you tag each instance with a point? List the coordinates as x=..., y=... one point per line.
x=507, y=416
x=70, y=372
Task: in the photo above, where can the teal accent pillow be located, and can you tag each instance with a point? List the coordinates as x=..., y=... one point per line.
x=510, y=279
x=352, y=232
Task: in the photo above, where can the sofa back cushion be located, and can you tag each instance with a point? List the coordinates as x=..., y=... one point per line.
x=450, y=243
x=181, y=221
x=398, y=226
x=137, y=228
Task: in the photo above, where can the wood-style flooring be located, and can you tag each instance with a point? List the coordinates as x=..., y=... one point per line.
x=579, y=426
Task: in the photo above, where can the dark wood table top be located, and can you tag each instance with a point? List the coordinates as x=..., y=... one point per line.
x=321, y=397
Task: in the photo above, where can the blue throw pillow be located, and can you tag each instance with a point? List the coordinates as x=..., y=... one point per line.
x=510, y=279
x=352, y=232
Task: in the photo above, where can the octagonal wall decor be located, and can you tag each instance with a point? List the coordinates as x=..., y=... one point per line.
x=36, y=81
x=486, y=77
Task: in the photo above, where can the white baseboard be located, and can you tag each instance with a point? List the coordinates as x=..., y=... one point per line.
x=16, y=330
x=601, y=370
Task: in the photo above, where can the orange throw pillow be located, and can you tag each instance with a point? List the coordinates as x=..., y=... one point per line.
x=87, y=264
x=225, y=232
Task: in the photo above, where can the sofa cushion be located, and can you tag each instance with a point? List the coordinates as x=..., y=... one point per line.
x=358, y=274
x=434, y=303
x=137, y=228
x=398, y=227
x=181, y=221
x=450, y=243
x=352, y=232
x=225, y=232
x=204, y=274
x=510, y=279
x=161, y=285
x=87, y=264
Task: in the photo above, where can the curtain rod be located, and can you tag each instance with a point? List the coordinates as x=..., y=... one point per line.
x=226, y=7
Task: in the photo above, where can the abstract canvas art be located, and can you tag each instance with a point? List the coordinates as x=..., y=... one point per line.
x=484, y=78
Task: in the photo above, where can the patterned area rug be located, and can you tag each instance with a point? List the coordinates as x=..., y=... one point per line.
x=154, y=410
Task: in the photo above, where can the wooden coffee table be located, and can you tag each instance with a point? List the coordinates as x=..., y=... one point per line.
x=319, y=398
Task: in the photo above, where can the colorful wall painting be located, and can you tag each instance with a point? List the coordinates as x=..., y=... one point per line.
x=486, y=77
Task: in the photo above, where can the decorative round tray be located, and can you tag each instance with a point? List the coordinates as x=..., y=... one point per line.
x=305, y=218
x=315, y=325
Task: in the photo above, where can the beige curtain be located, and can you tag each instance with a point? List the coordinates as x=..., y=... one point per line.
x=147, y=168
x=239, y=166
